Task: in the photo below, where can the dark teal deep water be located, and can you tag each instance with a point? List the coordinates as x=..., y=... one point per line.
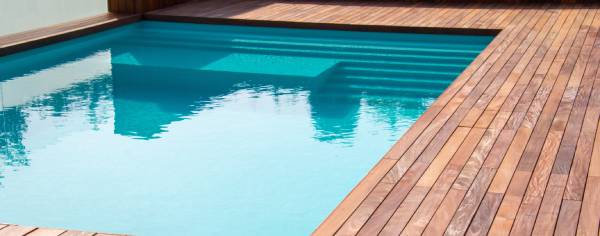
x=166, y=128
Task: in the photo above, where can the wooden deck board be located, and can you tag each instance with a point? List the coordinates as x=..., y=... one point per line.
x=509, y=148
x=512, y=140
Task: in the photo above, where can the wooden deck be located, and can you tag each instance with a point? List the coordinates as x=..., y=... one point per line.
x=508, y=148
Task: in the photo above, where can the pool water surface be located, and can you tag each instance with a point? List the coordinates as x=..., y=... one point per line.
x=159, y=128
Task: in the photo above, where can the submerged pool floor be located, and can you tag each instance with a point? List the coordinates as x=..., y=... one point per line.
x=158, y=127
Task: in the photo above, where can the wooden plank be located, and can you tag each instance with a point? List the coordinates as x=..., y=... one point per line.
x=76, y=233
x=46, y=232
x=434, y=198
x=433, y=10
x=559, y=105
x=401, y=217
x=589, y=220
x=481, y=115
x=569, y=216
x=516, y=189
x=578, y=174
x=549, y=210
x=485, y=19
x=483, y=218
x=16, y=230
x=477, y=190
x=519, y=136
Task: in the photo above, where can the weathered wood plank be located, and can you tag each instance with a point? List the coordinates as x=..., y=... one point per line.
x=408, y=207
x=46, y=232
x=559, y=105
x=77, y=233
x=440, y=189
x=551, y=204
x=16, y=230
x=516, y=189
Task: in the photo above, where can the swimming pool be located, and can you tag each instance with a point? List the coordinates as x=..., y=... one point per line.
x=155, y=127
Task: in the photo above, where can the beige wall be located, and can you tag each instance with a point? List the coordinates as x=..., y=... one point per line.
x=23, y=15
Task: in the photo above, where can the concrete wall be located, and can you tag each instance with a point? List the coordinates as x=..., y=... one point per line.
x=22, y=15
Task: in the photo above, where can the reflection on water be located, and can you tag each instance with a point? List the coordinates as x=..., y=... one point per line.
x=11, y=139
x=223, y=131
x=48, y=97
x=146, y=99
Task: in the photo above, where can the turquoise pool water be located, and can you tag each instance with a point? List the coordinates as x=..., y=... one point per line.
x=162, y=128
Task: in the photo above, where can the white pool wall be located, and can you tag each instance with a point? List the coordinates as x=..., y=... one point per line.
x=22, y=15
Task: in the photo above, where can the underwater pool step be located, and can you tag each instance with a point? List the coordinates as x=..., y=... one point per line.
x=346, y=50
x=397, y=73
x=277, y=43
x=384, y=90
x=391, y=81
x=407, y=101
x=308, y=53
x=420, y=43
x=385, y=85
x=448, y=68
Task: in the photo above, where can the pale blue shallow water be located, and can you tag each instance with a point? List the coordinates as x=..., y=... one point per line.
x=166, y=128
